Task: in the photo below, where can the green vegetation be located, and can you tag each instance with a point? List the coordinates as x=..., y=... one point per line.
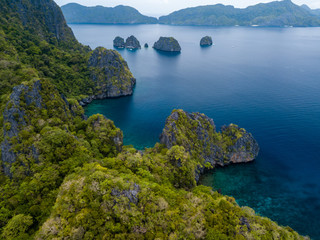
x=65, y=176
x=197, y=134
x=26, y=55
x=76, y=13
x=277, y=13
x=110, y=73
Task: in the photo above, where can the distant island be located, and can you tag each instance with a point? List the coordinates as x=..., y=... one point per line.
x=76, y=13
x=274, y=14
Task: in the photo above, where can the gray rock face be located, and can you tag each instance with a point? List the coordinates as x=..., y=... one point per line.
x=26, y=102
x=118, y=42
x=197, y=134
x=46, y=15
x=167, y=44
x=132, y=43
x=206, y=41
x=14, y=119
x=111, y=75
x=131, y=194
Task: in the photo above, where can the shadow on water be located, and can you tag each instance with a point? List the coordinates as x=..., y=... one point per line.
x=168, y=54
x=206, y=47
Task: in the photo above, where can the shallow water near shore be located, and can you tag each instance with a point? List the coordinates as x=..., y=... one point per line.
x=266, y=80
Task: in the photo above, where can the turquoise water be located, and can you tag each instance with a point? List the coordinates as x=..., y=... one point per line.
x=266, y=80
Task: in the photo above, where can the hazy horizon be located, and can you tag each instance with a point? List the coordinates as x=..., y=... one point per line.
x=162, y=7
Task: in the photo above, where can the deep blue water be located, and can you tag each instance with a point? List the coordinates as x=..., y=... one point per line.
x=266, y=80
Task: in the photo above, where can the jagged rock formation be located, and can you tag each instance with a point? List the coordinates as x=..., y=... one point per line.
x=28, y=102
x=118, y=42
x=132, y=43
x=32, y=107
x=167, y=44
x=206, y=41
x=197, y=134
x=110, y=74
x=146, y=45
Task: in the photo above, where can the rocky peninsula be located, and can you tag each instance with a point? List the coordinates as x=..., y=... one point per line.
x=197, y=134
x=167, y=44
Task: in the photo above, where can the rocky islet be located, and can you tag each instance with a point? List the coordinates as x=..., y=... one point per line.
x=132, y=43
x=118, y=42
x=206, y=41
x=167, y=44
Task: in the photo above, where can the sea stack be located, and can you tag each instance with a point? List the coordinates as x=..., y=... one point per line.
x=118, y=42
x=146, y=45
x=132, y=43
x=167, y=44
x=206, y=41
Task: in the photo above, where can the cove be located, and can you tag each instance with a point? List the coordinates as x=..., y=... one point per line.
x=266, y=80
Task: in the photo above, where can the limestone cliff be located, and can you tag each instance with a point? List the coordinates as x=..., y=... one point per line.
x=33, y=107
x=110, y=74
x=197, y=134
x=43, y=17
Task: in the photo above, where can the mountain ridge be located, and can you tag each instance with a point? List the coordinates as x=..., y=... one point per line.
x=273, y=14
x=76, y=13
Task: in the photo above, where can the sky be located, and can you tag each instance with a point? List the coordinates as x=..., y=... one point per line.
x=161, y=7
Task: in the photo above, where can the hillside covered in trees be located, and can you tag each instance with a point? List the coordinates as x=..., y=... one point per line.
x=273, y=14
x=76, y=13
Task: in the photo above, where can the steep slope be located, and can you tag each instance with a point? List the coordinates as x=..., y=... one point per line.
x=76, y=13
x=43, y=135
x=313, y=11
x=278, y=13
x=197, y=134
x=42, y=17
x=106, y=201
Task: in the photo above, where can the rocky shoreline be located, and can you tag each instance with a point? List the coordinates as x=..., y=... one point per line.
x=197, y=134
x=110, y=74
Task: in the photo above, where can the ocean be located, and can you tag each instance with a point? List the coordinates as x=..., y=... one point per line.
x=266, y=80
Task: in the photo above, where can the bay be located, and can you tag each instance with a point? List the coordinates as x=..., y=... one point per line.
x=266, y=80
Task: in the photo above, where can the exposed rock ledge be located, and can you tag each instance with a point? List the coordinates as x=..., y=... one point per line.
x=197, y=134
x=110, y=74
